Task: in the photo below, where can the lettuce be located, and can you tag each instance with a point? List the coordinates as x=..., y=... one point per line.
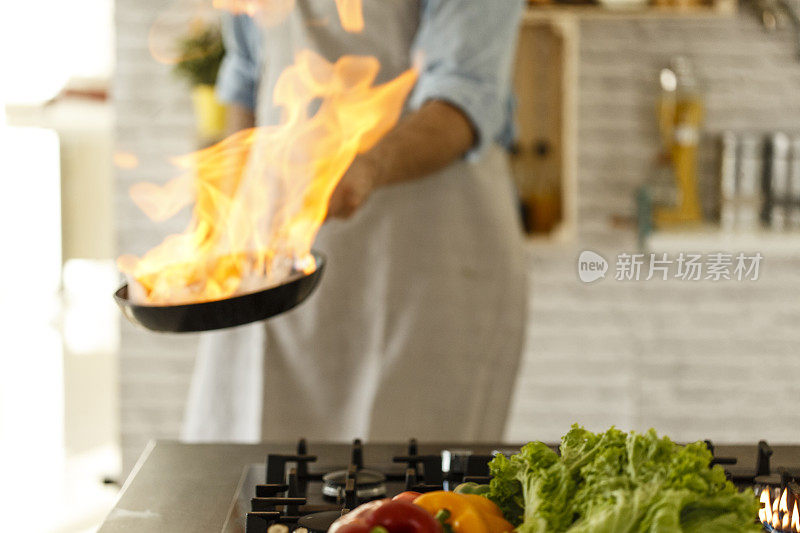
x=616, y=482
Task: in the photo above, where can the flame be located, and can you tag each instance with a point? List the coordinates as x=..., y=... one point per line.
x=256, y=212
x=765, y=513
x=784, y=509
x=775, y=513
x=351, y=14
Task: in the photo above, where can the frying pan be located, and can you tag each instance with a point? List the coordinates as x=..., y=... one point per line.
x=218, y=314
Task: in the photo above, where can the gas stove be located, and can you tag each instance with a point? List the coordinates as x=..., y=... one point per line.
x=277, y=488
x=288, y=493
x=297, y=491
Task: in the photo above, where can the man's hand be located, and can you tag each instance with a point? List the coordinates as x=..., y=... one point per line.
x=353, y=189
x=425, y=141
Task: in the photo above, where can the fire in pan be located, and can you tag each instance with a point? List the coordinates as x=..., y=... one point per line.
x=230, y=312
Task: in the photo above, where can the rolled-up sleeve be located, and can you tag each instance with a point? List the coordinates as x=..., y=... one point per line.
x=465, y=49
x=237, y=81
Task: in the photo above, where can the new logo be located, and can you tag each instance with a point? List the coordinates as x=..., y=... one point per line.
x=591, y=266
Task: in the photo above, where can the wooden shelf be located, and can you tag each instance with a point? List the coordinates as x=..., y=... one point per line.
x=716, y=8
x=545, y=162
x=546, y=81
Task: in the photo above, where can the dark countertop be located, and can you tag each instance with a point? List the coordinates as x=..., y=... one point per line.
x=190, y=488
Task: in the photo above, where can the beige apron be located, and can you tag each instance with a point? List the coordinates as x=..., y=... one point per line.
x=416, y=328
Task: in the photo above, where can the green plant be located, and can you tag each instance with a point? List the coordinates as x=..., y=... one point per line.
x=200, y=53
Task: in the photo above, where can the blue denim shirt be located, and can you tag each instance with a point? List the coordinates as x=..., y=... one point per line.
x=468, y=47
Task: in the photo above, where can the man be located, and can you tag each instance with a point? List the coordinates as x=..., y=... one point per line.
x=417, y=326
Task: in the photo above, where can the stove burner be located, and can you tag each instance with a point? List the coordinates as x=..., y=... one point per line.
x=369, y=484
x=319, y=522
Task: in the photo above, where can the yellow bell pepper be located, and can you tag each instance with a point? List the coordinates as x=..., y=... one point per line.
x=464, y=513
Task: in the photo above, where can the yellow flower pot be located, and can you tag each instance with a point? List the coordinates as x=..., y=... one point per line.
x=209, y=112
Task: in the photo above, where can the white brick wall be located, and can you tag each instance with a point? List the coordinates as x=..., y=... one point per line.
x=154, y=121
x=694, y=360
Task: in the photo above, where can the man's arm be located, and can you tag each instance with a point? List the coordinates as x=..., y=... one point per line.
x=426, y=141
x=430, y=139
x=465, y=51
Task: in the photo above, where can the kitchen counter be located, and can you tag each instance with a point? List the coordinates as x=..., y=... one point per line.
x=190, y=488
x=167, y=472
x=177, y=488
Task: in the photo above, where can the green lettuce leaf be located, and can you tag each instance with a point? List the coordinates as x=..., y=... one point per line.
x=616, y=482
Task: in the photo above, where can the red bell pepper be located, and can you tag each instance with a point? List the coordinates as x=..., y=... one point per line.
x=407, y=496
x=387, y=516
